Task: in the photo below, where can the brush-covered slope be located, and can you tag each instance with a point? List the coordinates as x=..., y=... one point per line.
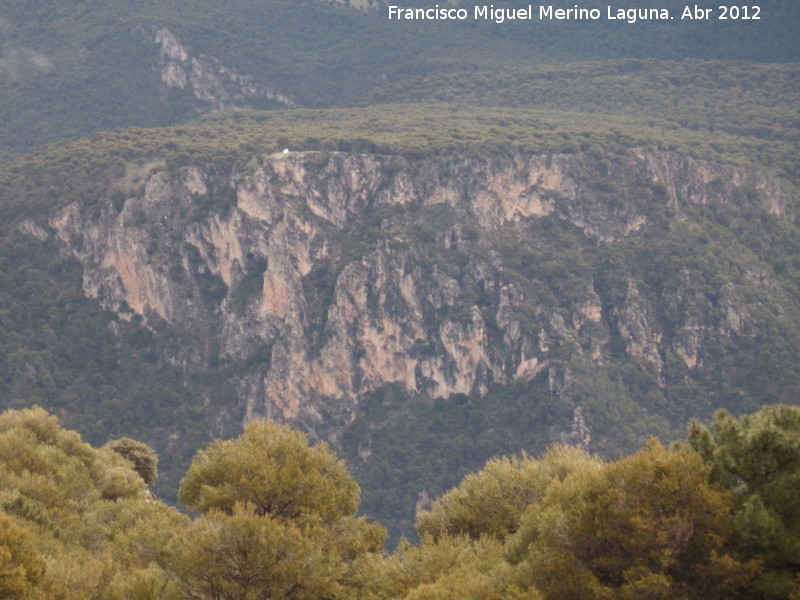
x=110, y=64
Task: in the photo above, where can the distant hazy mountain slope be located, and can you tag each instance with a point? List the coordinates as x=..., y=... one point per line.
x=109, y=65
x=742, y=98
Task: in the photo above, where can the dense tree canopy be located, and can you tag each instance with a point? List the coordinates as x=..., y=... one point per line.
x=143, y=458
x=650, y=525
x=757, y=457
x=20, y=564
x=491, y=502
x=273, y=469
x=248, y=555
x=713, y=518
x=75, y=521
x=278, y=519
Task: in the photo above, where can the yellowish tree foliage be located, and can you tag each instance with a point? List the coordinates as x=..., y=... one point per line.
x=21, y=566
x=278, y=520
x=54, y=468
x=492, y=501
x=133, y=531
x=647, y=526
x=273, y=469
x=96, y=533
x=442, y=568
x=245, y=555
x=715, y=519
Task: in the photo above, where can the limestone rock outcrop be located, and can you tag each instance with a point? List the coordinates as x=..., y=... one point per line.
x=332, y=274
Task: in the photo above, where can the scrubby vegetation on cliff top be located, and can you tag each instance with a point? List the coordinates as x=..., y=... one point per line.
x=710, y=518
x=87, y=168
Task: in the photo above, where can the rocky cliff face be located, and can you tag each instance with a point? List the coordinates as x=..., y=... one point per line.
x=328, y=275
x=213, y=85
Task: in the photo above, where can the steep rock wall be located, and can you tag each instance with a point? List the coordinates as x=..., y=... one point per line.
x=345, y=272
x=214, y=86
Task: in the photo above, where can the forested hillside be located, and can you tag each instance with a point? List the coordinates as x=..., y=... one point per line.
x=426, y=243
x=110, y=64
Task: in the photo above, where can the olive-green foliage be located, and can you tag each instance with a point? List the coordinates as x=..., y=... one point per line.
x=133, y=532
x=492, y=501
x=649, y=525
x=711, y=519
x=758, y=457
x=55, y=468
x=95, y=532
x=142, y=456
x=449, y=567
x=246, y=554
x=272, y=468
x=277, y=519
x=76, y=522
x=21, y=566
